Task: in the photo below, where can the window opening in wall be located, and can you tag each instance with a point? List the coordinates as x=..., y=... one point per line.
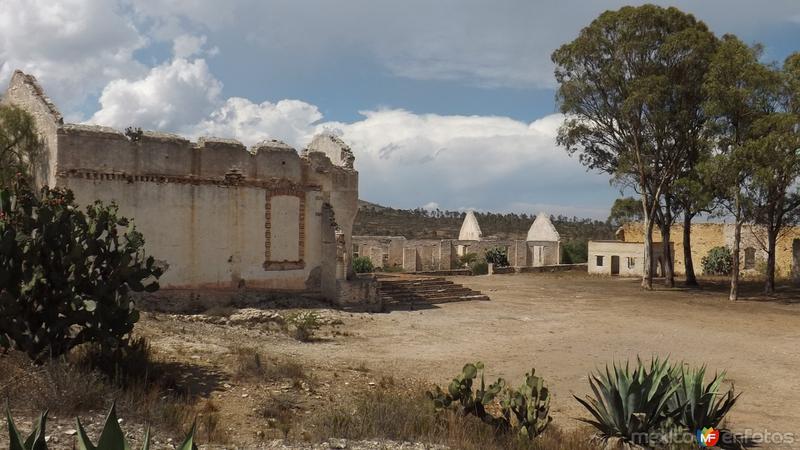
x=355, y=250
x=599, y=262
x=631, y=262
x=749, y=258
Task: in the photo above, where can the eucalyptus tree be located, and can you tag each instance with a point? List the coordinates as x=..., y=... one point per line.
x=628, y=85
x=774, y=152
x=740, y=94
x=624, y=210
x=693, y=195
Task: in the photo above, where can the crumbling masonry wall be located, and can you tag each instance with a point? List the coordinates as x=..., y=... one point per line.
x=412, y=255
x=220, y=215
x=705, y=236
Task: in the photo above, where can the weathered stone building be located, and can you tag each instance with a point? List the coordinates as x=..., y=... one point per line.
x=704, y=236
x=220, y=215
x=542, y=247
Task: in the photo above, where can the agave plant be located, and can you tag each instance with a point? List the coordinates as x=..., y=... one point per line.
x=631, y=406
x=111, y=438
x=701, y=405
x=34, y=441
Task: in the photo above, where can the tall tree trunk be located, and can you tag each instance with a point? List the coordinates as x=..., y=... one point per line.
x=691, y=279
x=666, y=249
x=772, y=237
x=647, y=279
x=737, y=239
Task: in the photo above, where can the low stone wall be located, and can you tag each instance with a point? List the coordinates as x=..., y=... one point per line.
x=555, y=268
x=444, y=273
x=363, y=293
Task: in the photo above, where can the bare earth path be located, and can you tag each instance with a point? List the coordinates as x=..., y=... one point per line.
x=566, y=325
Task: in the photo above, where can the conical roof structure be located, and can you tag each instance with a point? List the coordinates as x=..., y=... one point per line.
x=470, y=230
x=542, y=229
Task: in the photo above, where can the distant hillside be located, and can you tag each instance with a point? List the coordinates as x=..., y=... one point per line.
x=377, y=220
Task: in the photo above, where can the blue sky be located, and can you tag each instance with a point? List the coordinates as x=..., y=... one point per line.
x=446, y=103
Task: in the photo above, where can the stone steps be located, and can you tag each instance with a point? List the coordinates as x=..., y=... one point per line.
x=410, y=291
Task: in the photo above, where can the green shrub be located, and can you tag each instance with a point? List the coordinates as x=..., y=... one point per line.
x=719, y=261
x=302, y=325
x=362, y=264
x=66, y=275
x=575, y=251
x=480, y=267
x=497, y=256
x=467, y=259
x=529, y=405
x=112, y=436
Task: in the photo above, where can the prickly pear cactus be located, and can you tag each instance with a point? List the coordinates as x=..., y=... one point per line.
x=526, y=409
x=66, y=275
x=530, y=404
x=460, y=390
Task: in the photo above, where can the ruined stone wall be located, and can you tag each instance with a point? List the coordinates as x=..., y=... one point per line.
x=26, y=93
x=706, y=236
x=220, y=215
x=433, y=254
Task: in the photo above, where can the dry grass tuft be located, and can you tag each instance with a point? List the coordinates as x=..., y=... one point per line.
x=279, y=412
x=387, y=414
x=250, y=364
x=87, y=382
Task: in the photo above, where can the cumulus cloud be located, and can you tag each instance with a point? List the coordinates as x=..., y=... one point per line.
x=169, y=97
x=291, y=121
x=484, y=162
x=74, y=47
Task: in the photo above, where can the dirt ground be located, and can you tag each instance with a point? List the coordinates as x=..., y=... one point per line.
x=565, y=325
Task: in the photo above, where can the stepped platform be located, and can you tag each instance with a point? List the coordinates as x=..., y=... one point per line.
x=409, y=290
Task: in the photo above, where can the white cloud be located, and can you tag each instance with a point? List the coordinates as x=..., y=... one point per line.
x=291, y=121
x=170, y=97
x=188, y=45
x=74, y=47
x=430, y=206
x=487, y=162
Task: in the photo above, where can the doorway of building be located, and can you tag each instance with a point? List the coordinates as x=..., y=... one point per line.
x=615, y=265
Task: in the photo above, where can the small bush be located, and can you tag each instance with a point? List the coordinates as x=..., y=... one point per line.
x=303, y=325
x=575, y=251
x=479, y=267
x=467, y=259
x=497, y=256
x=66, y=275
x=362, y=264
x=719, y=261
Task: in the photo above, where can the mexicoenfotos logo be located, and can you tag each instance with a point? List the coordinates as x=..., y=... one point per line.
x=707, y=437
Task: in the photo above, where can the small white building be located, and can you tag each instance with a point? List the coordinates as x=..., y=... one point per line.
x=622, y=258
